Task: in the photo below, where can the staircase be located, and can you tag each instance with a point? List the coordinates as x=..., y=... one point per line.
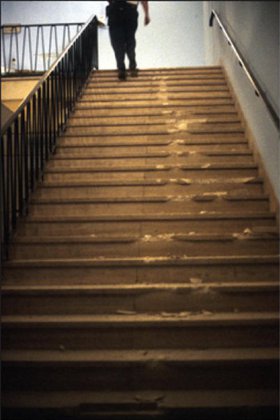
x=144, y=281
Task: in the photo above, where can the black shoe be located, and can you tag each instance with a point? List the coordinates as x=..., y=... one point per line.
x=134, y=72
x=122, y=75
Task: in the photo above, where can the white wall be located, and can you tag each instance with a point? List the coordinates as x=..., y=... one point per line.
x=174, y=38
x=254, y=28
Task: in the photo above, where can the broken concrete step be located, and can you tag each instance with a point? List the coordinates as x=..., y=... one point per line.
x=190, y=170
x=138, y=331
x=162, y=94
x=82, y=120
x=155, y=85
x=110, y=81
x=225, y=369
x=134, y=404
x=149, y=224
x=173, y=159
x=155, y=129
x=142, y=270
x=145, y=204
x=133, y=246
x=149, y=187
x=185, y=102
x=146, y=298
x=176, y=140
x=202, y=111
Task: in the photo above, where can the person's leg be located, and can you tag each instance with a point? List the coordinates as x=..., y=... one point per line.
x=117, y=36
x=116, y=22
x=131, y=23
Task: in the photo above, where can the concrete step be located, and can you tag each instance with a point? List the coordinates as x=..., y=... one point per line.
x=140, y=298
x=163, y=139
x=143, y=405
x=155, y=103
x=152, y=270
x=131, y=246
x=196, y=111
x=147, y=204
x=164, y=158
x=164, y=119
x=166, y=146
x=225, y=369
x=159, y=186
x=152, y=224
x=160, y=95
x=184, y=330
x=149, y=172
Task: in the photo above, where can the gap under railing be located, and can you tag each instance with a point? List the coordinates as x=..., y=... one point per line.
x=29, y=137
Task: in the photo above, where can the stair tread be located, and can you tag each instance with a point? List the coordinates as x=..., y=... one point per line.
x=140, y=356
x=144, y=261
x=159, y=167
x=196, y=284
x=248, y=235
x=208, y=215
x=152, y=182
x=141, y=319
x=224, y=196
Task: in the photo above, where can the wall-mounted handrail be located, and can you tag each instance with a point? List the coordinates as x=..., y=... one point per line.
x=256, y=86
x=29, y=137
x=32, y=48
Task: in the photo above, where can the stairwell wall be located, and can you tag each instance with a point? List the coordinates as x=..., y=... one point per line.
x=254, y=28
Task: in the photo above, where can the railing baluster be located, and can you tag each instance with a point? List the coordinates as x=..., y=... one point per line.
x=50, y=45
x=30, y=49
x=43, y=49
x=23, y=47
x=36, y=49
x=22, y=191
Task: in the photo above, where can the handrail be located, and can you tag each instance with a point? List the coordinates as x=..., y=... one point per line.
x=20, y=42
x=256, y=86
x=29, y=137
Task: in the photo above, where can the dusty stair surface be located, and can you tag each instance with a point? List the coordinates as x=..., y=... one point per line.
x=144, y=281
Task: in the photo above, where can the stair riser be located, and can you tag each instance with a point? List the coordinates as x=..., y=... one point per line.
x=115, y=274
x=176, y=336
x=144, y=248
x=152, y=376
x=146, y=207
x=148, y=302
x=155, y=227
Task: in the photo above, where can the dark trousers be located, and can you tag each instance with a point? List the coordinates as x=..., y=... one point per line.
x=123, y=22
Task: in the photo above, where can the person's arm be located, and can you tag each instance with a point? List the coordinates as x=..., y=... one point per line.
x=145, y=5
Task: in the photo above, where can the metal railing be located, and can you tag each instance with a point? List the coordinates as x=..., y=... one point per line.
x=29, y=137
x=34, y=48
x=256, y=86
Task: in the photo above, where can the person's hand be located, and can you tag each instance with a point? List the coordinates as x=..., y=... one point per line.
x=147, y=20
